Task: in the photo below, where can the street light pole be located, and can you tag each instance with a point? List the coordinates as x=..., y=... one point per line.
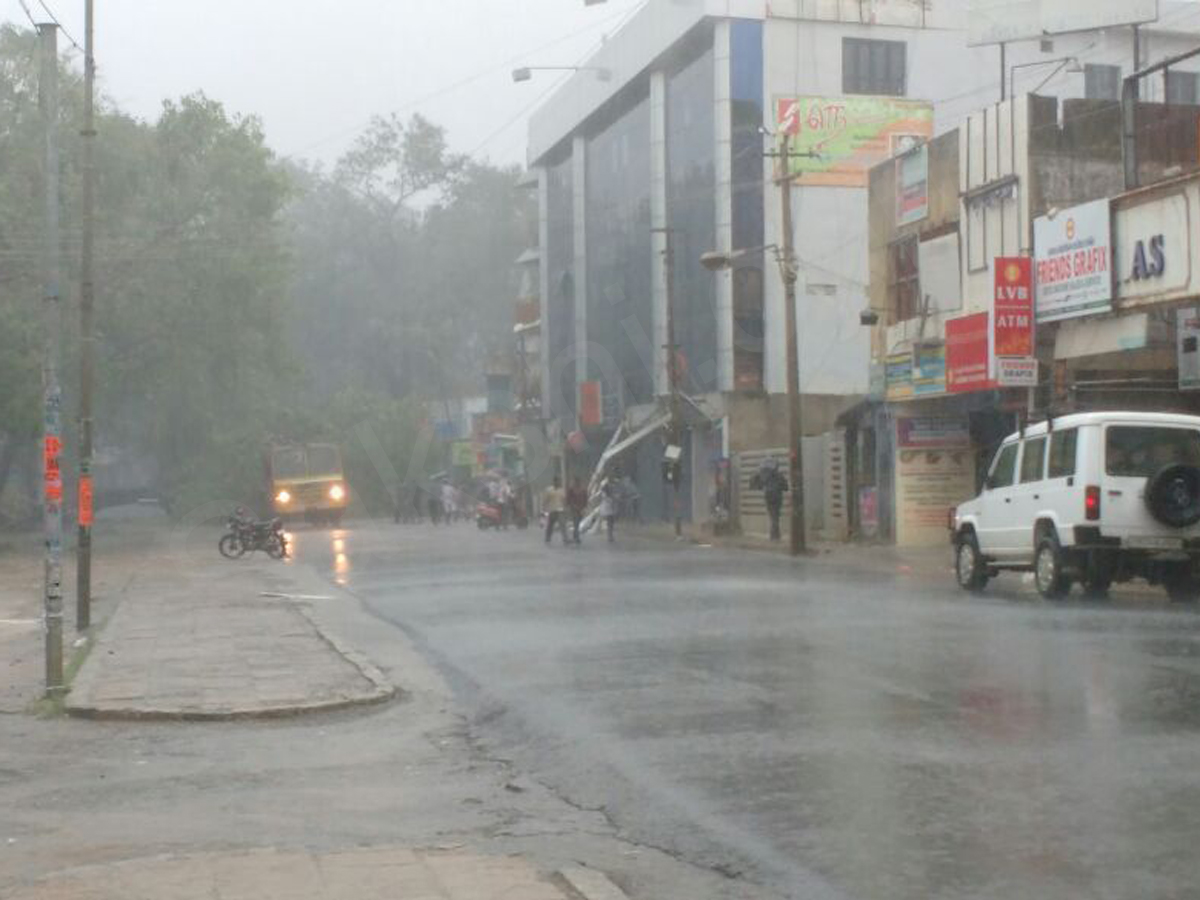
x=52, y=483
x=676, y=406
x=794, y=409
x=87, y=331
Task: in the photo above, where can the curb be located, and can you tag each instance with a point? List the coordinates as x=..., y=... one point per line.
x=590, y=884
x=381, y=691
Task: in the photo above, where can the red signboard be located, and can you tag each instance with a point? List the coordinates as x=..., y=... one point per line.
x=1013, y=310
x=591, y=407
x=51, y=473
x=967, y=366
x=85, y=501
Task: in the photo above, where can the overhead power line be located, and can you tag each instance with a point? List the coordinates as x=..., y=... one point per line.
x=53, y=18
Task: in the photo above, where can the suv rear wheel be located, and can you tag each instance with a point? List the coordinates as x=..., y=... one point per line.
x=1049, y=572
x=969, y=565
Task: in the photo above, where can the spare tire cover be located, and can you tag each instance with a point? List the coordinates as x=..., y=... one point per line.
x=1173, y=495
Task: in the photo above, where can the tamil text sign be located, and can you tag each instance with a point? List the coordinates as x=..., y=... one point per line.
x=967, y=340
x=836, y=141
x=1074, y=262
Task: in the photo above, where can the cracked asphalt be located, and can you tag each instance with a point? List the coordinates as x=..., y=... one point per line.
x=809, y=728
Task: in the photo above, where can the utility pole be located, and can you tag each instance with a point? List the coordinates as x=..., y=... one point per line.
x=794, y=411
x=87, y=331
x=673, y=381
x=52, y=484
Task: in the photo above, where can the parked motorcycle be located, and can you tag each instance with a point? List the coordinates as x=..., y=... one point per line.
x=488, y=515
x=246, y=535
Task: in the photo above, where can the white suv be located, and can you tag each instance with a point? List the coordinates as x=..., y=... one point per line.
x=1091, y=497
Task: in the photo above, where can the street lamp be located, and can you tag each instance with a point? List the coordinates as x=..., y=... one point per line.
x=525, y=73
x=1070, y=64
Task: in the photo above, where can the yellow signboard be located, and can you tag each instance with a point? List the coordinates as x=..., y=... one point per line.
x=836, y=140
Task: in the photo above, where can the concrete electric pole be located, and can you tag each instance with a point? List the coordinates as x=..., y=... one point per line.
x=794, y=410
x=52, y=482
x=87, y=331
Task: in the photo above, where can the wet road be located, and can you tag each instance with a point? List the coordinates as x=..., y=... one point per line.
x=826, y=733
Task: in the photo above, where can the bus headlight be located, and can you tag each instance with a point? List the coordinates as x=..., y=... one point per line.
x=283, y=498
x=337, y=492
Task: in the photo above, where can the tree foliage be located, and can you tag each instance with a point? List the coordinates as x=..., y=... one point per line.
x=242, y=298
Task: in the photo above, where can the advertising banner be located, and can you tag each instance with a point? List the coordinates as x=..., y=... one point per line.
x=924, y=432
x=899, y=375
x=912, y=186
x=1074, y=262
x=929, y=483
x=967, y=356
x=1012, y=316
x=840, y=139
x=1188, y=337
x=929, y=369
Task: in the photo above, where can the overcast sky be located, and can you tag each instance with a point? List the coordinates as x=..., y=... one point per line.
x=316, y=70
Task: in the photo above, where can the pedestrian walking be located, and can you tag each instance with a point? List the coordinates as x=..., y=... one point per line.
x=774, y=486
x=577, y=501
x=608, y=508
x=553, y=502
x=449, y=502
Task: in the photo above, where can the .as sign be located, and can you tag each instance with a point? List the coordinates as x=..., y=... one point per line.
x=1074, y=262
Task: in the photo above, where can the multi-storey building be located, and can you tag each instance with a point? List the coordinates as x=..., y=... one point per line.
x=659, y=150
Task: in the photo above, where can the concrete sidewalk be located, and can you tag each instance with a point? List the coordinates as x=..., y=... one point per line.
x=374, y=874
x=196, y=636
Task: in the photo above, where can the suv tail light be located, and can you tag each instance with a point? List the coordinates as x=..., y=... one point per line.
x=1091, y=503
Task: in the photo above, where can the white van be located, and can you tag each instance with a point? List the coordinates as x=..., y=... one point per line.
x=1091, y=497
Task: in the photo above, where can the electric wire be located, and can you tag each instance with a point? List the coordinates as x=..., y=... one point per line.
x=53, y=18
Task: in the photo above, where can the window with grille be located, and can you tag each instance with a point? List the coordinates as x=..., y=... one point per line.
x=1183, y=88
x=906, y=282
x=874, y=67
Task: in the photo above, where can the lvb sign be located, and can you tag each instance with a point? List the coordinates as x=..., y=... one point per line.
x=1012, y=323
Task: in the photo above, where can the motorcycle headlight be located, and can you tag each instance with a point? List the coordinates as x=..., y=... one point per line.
x=283, y=497
x=337, y=492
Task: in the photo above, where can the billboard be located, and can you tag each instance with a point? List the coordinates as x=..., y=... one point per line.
x=1074, y=262
x=912, y=186
x=839, y=139
x=1001, y=21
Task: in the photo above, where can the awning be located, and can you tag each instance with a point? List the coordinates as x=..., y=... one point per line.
x=620, y=444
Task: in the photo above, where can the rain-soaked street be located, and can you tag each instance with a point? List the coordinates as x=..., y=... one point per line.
x=827, y=733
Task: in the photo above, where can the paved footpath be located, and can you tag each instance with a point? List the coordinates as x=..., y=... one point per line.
x=196, y=636
x=374, y=874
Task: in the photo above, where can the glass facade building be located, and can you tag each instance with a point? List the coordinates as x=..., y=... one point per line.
x=620, y=303
x=746, y=94
x=559, y=302
x=692, y=211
